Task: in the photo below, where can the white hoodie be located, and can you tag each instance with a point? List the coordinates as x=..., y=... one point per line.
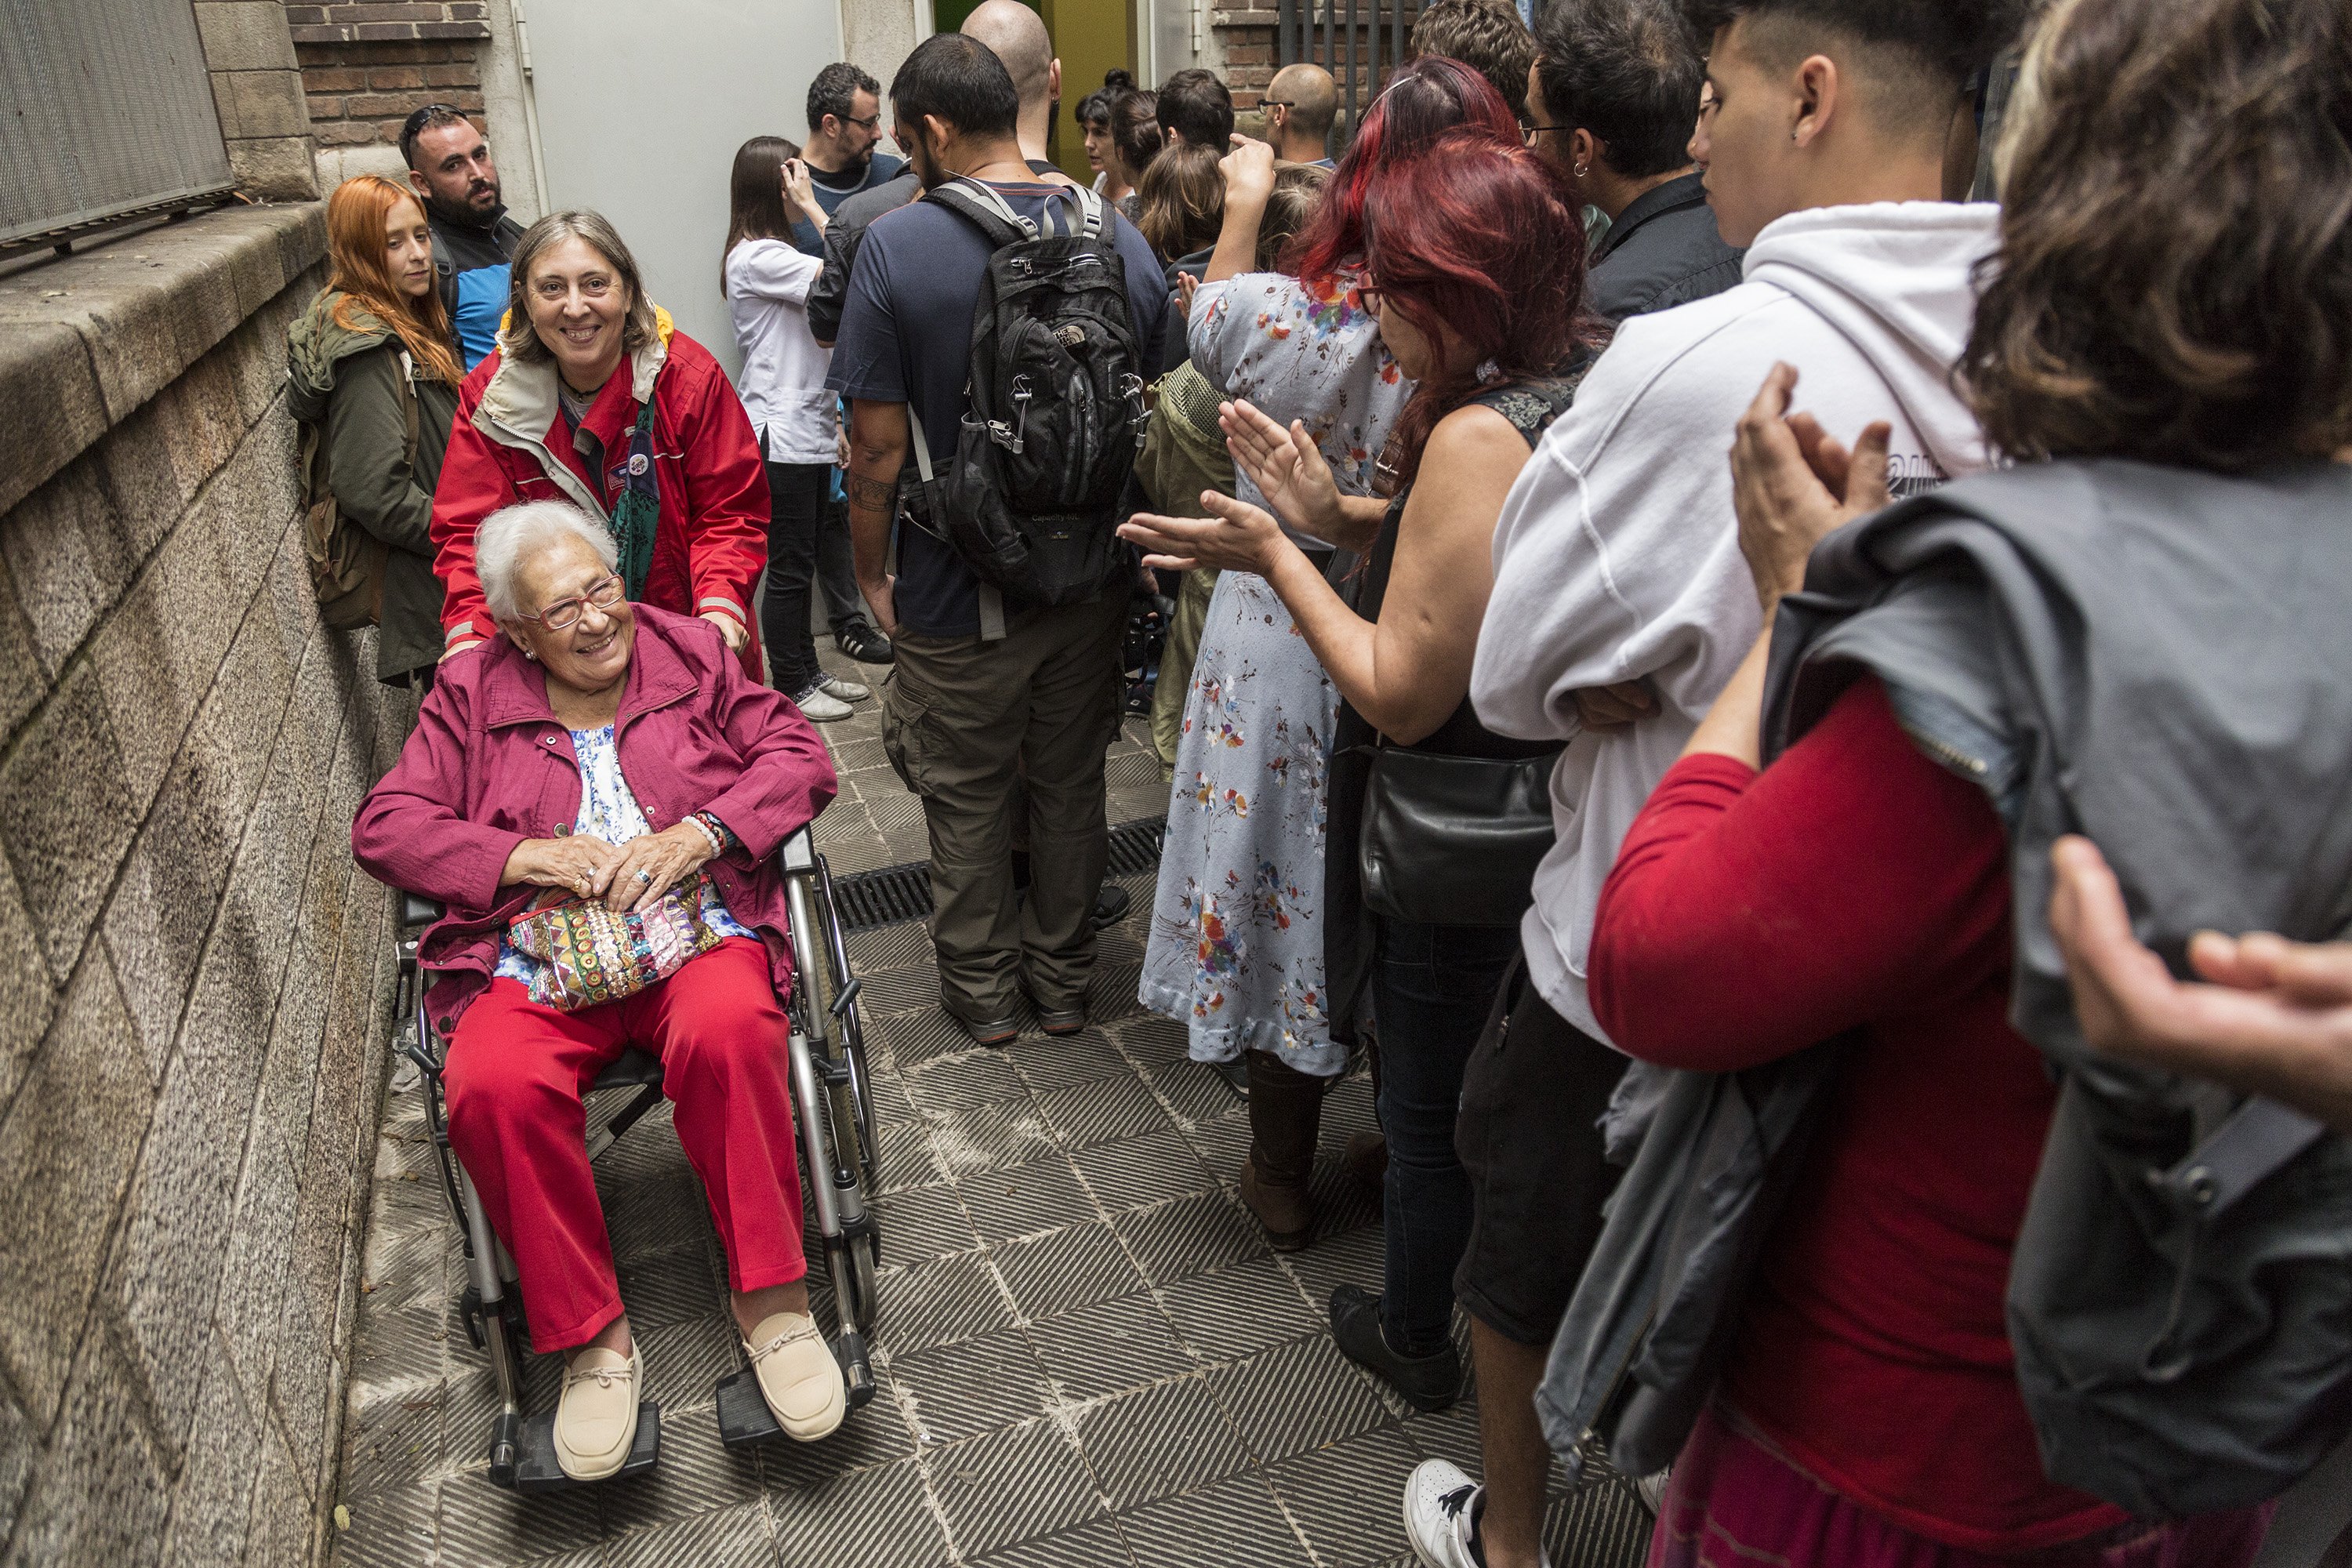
x=1617, y=554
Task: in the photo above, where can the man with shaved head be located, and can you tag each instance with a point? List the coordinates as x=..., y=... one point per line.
x=1018, y=38
x=1300, y=103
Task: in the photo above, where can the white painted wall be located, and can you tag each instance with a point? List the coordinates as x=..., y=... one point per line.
x=641, y=104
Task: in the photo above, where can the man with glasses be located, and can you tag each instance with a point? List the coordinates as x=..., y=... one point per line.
x=844, y=121
x=450, y=168
x=1300, y=103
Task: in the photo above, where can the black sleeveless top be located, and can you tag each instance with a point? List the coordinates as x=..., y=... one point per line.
x=1530, y=406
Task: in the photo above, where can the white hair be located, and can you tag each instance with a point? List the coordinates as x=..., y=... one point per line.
x=511, y=535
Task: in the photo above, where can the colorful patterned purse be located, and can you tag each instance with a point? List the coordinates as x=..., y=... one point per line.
x=588, y=955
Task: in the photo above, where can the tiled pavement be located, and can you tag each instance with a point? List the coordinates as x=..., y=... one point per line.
x=1088, y=1355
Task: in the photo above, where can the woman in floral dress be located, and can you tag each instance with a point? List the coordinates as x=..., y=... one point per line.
x=1236, y=945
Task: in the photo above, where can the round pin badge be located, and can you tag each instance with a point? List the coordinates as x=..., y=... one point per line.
x=639, y=463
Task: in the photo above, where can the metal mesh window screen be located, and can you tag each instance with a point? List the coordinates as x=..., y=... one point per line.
x=105, y=109
x=1358, y=41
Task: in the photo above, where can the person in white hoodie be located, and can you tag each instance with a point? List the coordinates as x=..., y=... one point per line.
x=1623, y=604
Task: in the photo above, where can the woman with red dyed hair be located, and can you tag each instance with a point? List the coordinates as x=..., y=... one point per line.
x=373, y=375
x=1236, y=949
x=1473, y=262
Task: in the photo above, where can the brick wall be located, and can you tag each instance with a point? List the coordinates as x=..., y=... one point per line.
x=258, y=89
x=1246, y=32
x=360, y=92
x=194, y=979
x=365, y=66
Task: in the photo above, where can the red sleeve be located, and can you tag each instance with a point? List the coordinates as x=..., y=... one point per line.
x=1750, y=915
x=408, y=832
x=726, y=501
x=473, y=485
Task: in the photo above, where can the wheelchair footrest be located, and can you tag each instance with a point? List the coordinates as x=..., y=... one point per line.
x=536, y=1469
x=744, y=1417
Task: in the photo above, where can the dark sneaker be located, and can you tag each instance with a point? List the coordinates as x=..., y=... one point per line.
x=1428, y=1383
x=988, y=1031
x=1111, y=906
x=1061, y=1020
x=864, y=644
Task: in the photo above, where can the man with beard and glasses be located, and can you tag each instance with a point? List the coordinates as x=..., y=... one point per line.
x=450, y=168
x=844, y=122
x=970, y=718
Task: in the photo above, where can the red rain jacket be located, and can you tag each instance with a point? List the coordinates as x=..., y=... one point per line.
x=712, y=541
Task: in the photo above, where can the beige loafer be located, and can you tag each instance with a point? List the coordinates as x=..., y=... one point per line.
x=596, y=1421
x=798, y=1376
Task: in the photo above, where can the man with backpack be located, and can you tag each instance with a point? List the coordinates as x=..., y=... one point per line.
x=991, y=345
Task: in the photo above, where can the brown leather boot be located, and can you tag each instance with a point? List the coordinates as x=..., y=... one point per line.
x=1285, y=1111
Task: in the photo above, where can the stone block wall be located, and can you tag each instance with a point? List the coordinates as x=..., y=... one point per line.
x=258, y=89
x=194, y=979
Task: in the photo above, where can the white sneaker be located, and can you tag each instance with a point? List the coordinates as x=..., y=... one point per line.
x=1652, y=1489
x=846, y=690
x=820, y=706
x=1437, y=1515
x=596, y=1420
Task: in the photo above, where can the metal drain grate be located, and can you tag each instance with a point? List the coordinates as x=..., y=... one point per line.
x=896, y=893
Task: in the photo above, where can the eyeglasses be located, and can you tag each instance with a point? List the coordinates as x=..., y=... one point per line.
x=1275, y=103
x=1367, y=296
x=871, y=123
x=564, y=613
x=1530, y=131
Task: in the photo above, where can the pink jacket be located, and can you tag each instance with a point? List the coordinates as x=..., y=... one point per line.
x=488, y=766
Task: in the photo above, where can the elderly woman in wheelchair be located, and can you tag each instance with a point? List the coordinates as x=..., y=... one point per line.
x=597, y=799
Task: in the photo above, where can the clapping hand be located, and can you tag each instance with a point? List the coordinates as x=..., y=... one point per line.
x=1248, y=169
x=1237, y=537
x=1286, y=465
x=1793, y=484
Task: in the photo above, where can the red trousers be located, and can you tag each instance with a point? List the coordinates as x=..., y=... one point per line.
x=515, y=1075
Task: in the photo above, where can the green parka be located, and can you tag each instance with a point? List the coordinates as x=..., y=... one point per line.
x=347, y=380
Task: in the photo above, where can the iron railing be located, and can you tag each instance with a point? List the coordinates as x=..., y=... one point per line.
x=1356, y=40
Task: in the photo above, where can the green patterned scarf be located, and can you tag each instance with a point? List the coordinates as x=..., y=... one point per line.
x=638, y=511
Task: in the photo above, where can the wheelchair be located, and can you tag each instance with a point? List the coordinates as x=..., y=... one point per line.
x=833, y=1104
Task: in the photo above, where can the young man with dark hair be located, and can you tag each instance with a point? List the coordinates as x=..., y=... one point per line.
x=844, y=122
x=986, y=691
x=1487, y=35
x=1300, y=104
x=1610, y=99
x=451, y=171
x=1195, y=107
x=1623, y=603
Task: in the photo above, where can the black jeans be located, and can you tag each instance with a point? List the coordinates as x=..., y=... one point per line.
x=837, y=570
x=1431, y=989
x=795, y=505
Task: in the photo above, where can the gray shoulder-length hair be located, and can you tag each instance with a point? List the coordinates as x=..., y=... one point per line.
x=519, y=341
x=511, y=535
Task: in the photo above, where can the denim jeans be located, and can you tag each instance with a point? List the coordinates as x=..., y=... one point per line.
x=1431, y=988
x=795, y=506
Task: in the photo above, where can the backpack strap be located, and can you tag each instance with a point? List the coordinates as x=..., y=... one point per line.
x=991, y=601
x=986, y=210
x=408, y=411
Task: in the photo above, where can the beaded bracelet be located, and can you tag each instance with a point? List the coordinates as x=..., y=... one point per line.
x=714, y=830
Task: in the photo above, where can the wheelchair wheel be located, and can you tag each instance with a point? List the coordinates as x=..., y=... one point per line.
x=859, y=1312
x=849, y=1032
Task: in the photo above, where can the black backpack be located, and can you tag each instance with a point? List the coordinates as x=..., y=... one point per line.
x=1054, y=414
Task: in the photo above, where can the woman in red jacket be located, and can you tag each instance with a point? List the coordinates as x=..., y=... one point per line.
x=593, y=397
x=1869, y=1413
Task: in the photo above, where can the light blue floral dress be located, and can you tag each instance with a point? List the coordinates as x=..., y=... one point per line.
x=609, y=811
x=1237, y=943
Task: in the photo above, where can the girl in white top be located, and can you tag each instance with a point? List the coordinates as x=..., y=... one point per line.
x=766, y=280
